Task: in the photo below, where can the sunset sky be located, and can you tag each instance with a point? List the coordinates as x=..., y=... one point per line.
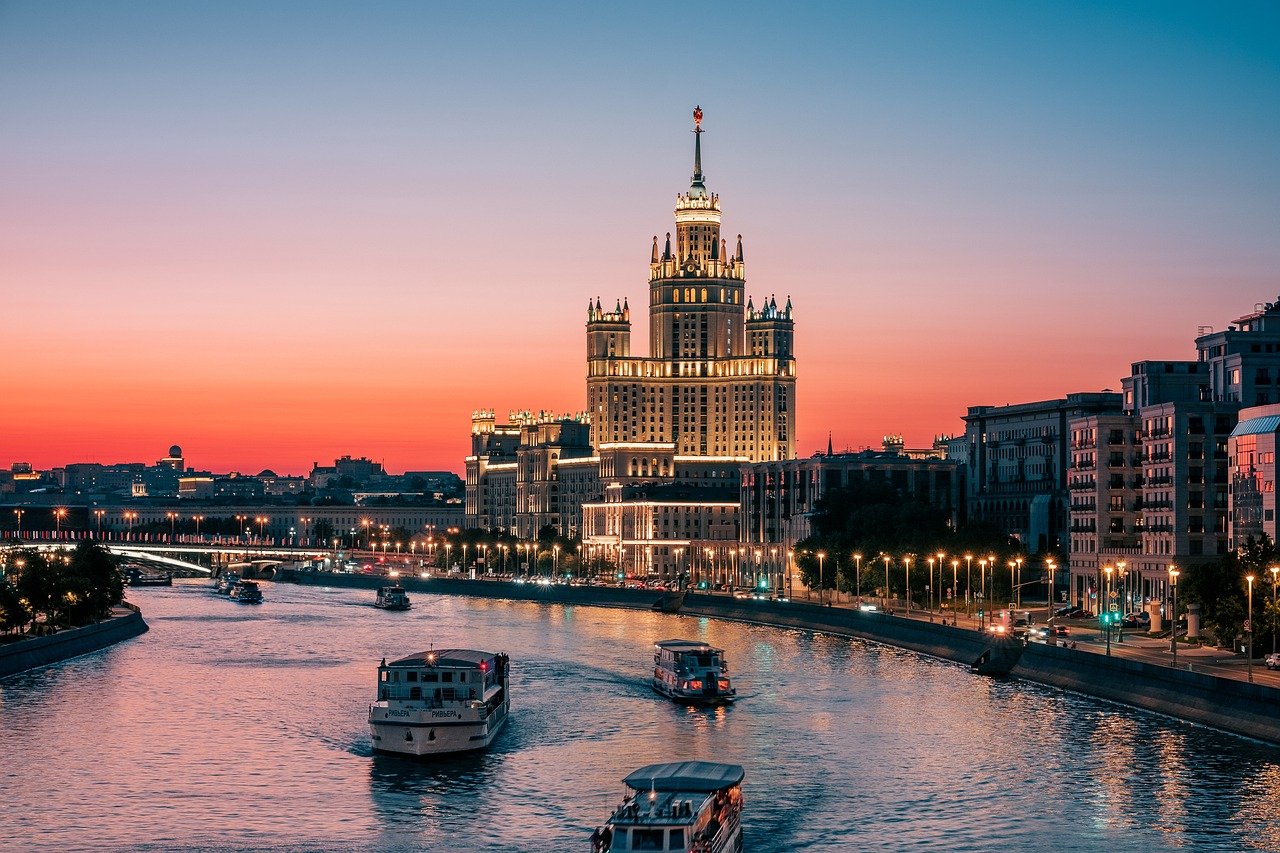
x=274, y=233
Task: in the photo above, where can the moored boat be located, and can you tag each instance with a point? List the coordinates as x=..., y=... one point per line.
x=246, y=592
x=224, y=584
x=684, y=805
x=440, y=701
x=691, y=672
x=392, y=598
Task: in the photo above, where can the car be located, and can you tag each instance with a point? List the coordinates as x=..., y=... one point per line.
x=1066, y=612
x=1272, y=661
x=1060, y=630
x=1037, y=632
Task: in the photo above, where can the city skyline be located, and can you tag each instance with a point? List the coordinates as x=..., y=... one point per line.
x=316, y=232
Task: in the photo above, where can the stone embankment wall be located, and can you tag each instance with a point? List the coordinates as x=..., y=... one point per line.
x=1235, y=706
x=41, y=651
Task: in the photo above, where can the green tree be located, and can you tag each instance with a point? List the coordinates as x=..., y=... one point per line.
x=94, y=576
x=14, y=612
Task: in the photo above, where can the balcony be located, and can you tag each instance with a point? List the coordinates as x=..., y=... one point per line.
x=1158, y=505
x=1082, y=465
x=1159, y=528
x=1083, y=486
x=1084, y=507
x=1084, y=528
x=1161, y=456
x=1160, y=481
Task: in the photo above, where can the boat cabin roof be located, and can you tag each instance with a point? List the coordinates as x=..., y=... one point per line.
x=249, y=584
x=693, y=776
x=386, y=589
x=455, y=658
x=686, y=646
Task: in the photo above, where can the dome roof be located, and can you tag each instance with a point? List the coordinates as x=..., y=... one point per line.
x=175, y=450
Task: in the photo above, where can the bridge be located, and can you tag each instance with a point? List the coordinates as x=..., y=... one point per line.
x=248, y=560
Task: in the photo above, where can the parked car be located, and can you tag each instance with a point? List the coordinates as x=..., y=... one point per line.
x=1272, y=661
x=1065, y=612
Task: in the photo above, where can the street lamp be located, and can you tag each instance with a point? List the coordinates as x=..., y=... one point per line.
x=886, y=581
x=822, y=555
x=59, y=514
x=982, y=593
x=262, y=520
x=929, y=588
x=941, y=557
x=1275, y=572
x=955, y=582
x=1050, y=567
x=1173, y=628
x=857, y=575
x=907, y=575
x=1248, y=629
x=1019, y=587
x=101, y=512
x=968, y=585
x=1107, y=618
x=173, y=524
x=18, y=513
x=197, y=519
x=1122, y=572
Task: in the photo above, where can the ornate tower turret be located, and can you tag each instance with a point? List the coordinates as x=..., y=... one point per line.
x=695, y=288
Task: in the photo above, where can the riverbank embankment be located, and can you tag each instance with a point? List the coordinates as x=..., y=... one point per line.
x=32, y=652
x=1222, y=703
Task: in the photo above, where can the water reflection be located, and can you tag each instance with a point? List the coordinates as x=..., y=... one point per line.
x=238, y=730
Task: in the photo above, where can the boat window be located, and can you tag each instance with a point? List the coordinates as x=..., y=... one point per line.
x=415, y=692
x=430, y=676
x=382, y=675
x=676, y=840
x=446, y=676
x=411, y=676
x=647, y=839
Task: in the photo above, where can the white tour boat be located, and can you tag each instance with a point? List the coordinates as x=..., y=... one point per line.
x=693, y=806
x=392, y=598
x=692, y=672
x=440, y=701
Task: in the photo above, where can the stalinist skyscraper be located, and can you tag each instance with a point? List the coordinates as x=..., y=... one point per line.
x=720, y=380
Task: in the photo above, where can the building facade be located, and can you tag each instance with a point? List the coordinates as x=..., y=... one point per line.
x=1196, y=479
x=1018, y=457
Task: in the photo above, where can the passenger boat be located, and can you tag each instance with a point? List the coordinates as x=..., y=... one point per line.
x=246, y=592
x=224, y=584
x=691, y=806
x=135, y=577
x=692, y=672
x=392, y=598
x=440, y=701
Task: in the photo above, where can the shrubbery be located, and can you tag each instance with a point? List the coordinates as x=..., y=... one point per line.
x=68, y=588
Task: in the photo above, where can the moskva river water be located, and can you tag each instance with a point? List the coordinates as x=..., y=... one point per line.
x=230, y=726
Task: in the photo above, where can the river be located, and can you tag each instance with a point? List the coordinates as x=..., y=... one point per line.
x=230, y=726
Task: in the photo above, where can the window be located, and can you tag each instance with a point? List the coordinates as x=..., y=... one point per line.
x=1235, y=376
x=646, y=839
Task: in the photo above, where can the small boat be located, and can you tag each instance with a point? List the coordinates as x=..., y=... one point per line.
x=392, y=598
x=691, y=672
x=683, y=805
x=246, y=592
x=224, y=584
x=135, y=577
x=440, y=702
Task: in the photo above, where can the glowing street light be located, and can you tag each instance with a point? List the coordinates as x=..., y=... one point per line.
x=886, y=581
x=857, y=575
x=822, y=555
x=1248, y=629
x=1173, y=630
x=59, y=514
x=99, y=513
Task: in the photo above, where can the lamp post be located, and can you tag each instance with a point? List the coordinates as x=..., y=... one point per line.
x=982, y=594
x=59, y=514
x=1275, y=573
x=886, y=581
x=18, y=513
x=857, y=576
x=1248, y=629
x=941, y=557
x=1173, y=619
x=1049, y=568
x=555, y=560
x=1013, y=586
x=955, y=582
x=968, y=585
x=173, y=524
x=99, y=513
x=822, y=555
x=197, y=519
x=448, y=557
x=929, y=589
x=1106, y=620
x=1019, y=586
x=907, y=574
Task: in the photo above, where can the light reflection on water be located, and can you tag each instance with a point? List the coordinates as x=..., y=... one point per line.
x=229, y=727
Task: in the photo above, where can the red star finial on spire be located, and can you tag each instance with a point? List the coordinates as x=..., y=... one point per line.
x=697, y=116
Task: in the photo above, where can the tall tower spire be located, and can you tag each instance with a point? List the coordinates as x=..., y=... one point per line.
x=697, y=151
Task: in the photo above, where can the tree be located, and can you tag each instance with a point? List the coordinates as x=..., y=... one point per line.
x=14, y=612
x=94, y=573
x=322, y=531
